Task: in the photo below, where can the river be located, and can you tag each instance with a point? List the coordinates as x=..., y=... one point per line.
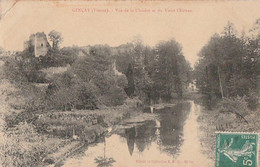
x=169, y=140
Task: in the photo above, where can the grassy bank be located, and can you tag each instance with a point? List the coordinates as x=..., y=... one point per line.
x=43, y=123
x=218, y=120
x=51, y=136
x=80, y=128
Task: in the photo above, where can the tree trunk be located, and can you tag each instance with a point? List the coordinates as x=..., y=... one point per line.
x=220, y=84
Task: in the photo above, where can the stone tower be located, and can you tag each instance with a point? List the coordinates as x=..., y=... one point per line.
x=40, y=43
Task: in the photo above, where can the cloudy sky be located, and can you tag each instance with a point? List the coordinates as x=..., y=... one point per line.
x=88, y=23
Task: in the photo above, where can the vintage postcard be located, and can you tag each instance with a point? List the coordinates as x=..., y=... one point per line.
x=129, y=83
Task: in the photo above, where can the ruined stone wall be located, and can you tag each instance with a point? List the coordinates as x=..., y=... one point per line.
x=42, y=44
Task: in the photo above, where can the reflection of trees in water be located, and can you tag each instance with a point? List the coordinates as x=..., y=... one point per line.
x=103, y=161
x=171, y=127
x=130, y=139
x=143, y=139
x=166, y=132
x=141, y=136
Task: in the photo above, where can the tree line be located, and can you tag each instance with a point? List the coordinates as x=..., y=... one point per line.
x=152, y=74
x=228, y=65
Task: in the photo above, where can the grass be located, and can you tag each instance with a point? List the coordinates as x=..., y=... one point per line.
x=216, y=120
x=89, y=125
x=49, y=134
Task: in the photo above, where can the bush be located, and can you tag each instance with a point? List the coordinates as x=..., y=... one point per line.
x=252, y=101
x=22, y=70
x=36, y=77
x=15, y=119
x=121, y=81
x=22, y=147
x=13, y=71
x=115, y=96
x=103, y=81
x=85, y=95
x=67, y=93
x=56, y=58
x=237, y=106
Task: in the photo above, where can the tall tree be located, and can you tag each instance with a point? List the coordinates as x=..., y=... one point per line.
x=228, y=64
x=56, y=38
x=171, y=69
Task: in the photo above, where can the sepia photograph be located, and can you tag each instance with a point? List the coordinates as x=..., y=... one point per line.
x=113, y=83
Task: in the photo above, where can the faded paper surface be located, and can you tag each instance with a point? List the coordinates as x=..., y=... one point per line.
x=81, y=27
x=84, y=23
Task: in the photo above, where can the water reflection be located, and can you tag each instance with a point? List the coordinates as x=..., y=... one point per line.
x=163, y=137
x=171, y=131
x=130, y=139
x=141, y=136
x=166, y=132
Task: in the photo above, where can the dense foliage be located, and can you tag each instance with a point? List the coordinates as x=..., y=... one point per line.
x=87, y=77
x=154, y=74
x=229, y=65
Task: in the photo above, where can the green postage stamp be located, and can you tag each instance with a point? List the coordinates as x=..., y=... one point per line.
x=236, y=149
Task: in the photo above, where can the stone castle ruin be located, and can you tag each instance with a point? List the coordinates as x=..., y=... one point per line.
x=40, y=44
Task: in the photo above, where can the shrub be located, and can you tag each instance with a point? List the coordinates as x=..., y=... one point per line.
x=22, y=70
x=67, y=93
x=36, y=77
x=33, y=97
x=22, y=147
x=13, y=71
x=252, y=101
x=85, y=95
x=14, y=119
x=237, y=106
x=56, y=58
x=104, y=81
x=121, y=81
x=115, y=96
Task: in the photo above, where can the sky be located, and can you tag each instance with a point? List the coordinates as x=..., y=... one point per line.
x=85, y=23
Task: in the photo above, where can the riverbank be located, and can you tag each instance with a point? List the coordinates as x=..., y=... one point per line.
x=214, y=120
x=42, y=138
x=52, y=136
x=165, y=137
x=82, y=127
